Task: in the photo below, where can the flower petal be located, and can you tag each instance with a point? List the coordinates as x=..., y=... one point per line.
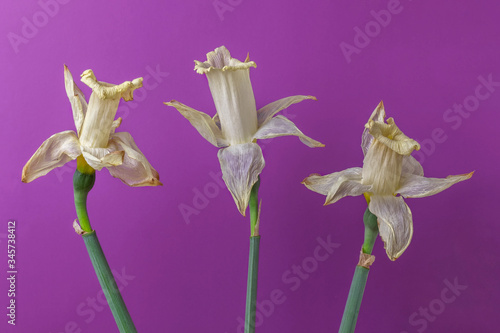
x=76, y=98
x=391, y=136
x=377, y=115
x=99, y=158
x=102, y=108
x=415, y=186
x=135, y=169
x=281, y=126
x=268, y=111
x=411, y=166
x=54, y=152
x=116, y=123
x=205, y=125
x=108, y=90
x=337, y=185
x=394, y=223
x=220, y=59
x=241, y=165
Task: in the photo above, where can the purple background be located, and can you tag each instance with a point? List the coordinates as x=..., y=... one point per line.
x=189, y=275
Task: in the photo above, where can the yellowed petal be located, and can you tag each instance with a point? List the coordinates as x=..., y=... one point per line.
x=205, y=125
x=414, y=186
x=76, y=98
x=394, y=222
x=54, y=152
x=135, y=169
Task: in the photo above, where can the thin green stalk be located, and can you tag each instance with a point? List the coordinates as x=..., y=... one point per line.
x=360, y=277
x=108, y=284
x=253, y=261
x=253, y=268
x=83, y=181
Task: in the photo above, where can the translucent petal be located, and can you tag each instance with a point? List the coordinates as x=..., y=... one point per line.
x=235, y=103
x=377, y=115
x=411, y=166
x=281, y=126
x=337, y=185
x=220, y=59
x=76, y=98
x=391, y=136
x=135, y=169
x=241, y=165
x=267, y=112
x=99, y=158
x=394, y=223
x=202, y=122
x=102, y=108
x=414, y=186
x=54, y=152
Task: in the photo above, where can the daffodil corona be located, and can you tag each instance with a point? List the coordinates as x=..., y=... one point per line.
x=238, y=124
x=388, y=175
x=96, y=145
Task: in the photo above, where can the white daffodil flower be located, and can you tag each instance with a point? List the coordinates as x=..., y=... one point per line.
x=238, y=124
x=389, y=174
x=96, y=141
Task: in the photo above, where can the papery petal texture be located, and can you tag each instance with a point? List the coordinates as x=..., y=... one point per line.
x=411, y=166
x=377, y=115
x=220, y=59
x=382, y=168
x=391, y=136
x=76, y=98
x=337, y=185
x=394, y=223
x=135, y=169
x=102, y=108
x=205, y=125
x=267, y=112
x=54, y=152
x=235, y=103
x=99, y=158
x=241, y=166
x=414, y=186
x=281, y=126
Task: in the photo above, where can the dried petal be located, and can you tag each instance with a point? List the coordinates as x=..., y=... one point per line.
x=241, y=165
x=281, y=126
x=205, y=125
x=414, y=186
x=394, y=223
x=54, y=152
x=135, y=169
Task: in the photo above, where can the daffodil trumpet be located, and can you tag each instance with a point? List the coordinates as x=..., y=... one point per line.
x=388, y=175
x=95, y=146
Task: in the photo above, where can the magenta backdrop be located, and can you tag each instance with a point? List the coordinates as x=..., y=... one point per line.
x=188, y=274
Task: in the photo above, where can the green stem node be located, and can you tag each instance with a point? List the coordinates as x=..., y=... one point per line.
x=360, y=277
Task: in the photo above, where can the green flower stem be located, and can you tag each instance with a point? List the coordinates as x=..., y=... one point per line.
x=253, y=261
x=108, y=284
x=360, y=277
x=83, y=181
x=253, y=268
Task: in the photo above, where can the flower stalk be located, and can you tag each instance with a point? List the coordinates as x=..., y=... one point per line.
x=83, y=182
x=253, y=261
x=360, y=277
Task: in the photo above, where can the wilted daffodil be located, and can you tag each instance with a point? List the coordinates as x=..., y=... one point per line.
x=238, y=124
x=388, y=175
x=96, y=145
